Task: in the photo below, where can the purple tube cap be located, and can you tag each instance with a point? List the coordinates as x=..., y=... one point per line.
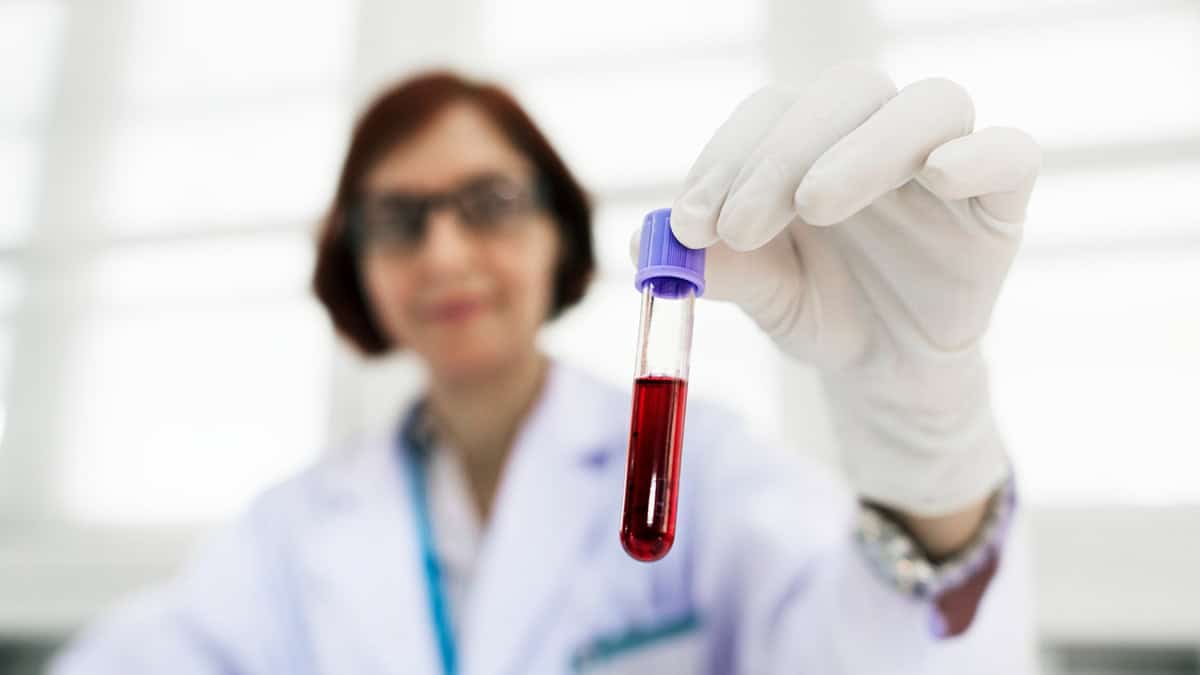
x=661, y=258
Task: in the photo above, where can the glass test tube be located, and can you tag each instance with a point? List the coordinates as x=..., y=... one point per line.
x=670, y=277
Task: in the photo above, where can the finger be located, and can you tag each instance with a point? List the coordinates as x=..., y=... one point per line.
x=694, y=214
x=998, y=166
x=885, y=152
x=760, y=201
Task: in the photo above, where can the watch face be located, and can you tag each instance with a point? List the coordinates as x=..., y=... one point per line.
x=901, y=562
x=893, y=554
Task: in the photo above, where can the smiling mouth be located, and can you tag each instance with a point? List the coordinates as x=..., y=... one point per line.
x=454, y=311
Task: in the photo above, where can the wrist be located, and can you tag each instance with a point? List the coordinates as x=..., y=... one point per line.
x=942, y=537
x=894, y=552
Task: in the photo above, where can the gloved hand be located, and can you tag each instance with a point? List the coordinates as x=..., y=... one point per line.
x=868, y=233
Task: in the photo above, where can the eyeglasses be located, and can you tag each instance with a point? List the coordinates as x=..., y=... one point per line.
x=485, y=205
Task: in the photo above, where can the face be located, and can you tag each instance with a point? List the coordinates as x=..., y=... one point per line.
x=465, y=294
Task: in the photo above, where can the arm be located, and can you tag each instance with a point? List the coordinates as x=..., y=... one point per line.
x=943, y=536
x=868, y=230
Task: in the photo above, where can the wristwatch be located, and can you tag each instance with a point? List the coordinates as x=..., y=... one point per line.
x=901, y=562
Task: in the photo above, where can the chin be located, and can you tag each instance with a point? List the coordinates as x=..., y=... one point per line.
x=468, y=363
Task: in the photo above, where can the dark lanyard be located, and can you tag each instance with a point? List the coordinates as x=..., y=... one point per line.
x=415, y=454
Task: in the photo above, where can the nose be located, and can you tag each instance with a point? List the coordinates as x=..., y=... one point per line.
x=448, y=247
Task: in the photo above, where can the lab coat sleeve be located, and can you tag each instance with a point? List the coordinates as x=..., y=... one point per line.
x=784, y=588
x=219, y=615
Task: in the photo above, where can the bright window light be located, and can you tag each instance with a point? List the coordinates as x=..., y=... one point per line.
x=627, y=128
x=267, y=266
x=18, y=174
x=543, y=32
x=1123, y=202
x=11, y=294
x=1095, y=362
x=6, y=350
x=613, y=226
x=182, y=51
x=940, y=12
x=29, y=34
x=1114, y=79
x=12, y=289
x=263, y=164
x=183, y=414
x=6, y=345
x=201, y=375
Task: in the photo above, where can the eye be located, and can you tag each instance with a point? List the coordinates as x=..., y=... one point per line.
x=392, y=220
x=490, y=200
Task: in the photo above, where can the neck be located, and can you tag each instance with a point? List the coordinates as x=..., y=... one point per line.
x=479, y=418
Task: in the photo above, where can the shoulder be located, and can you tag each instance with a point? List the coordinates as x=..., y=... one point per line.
x=343, y=472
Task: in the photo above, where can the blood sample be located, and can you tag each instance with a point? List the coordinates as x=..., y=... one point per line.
x=670, y=276
x=652, y=478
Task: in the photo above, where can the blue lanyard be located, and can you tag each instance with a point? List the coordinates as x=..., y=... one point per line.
x=416, y=458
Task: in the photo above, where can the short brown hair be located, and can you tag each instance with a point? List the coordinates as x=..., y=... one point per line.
x=398, y=113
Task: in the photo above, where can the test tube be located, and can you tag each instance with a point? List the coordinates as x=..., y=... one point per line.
x=670, y=277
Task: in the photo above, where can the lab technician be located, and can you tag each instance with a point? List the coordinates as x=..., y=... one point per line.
x=867, y=230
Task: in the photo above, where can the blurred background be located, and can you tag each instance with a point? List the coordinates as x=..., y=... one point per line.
x=163, y=164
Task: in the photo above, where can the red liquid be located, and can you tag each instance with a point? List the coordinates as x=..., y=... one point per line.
x=652, y=475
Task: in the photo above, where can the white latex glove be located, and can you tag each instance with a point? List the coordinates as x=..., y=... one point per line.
x=868, y=233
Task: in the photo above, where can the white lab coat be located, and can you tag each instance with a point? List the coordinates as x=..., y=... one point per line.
x=322, y=574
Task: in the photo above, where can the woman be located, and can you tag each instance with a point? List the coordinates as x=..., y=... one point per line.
x=866, y=230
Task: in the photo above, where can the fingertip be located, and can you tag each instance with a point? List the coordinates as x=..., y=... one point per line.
x=1025, y=149
x=693, y=225
x=695, y=211
x=997, y=159
x=1011, y=145
x=635, y=245
x=949, y=96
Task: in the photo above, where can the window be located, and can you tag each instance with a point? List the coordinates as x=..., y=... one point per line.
x=184, y=415
x=18, y=165
x=195, y=365
x=29, y=34
x=1095, y=359
x=250, y=165
x=10, y=295
x=1094, y=77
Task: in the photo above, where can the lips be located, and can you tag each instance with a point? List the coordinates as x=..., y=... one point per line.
x=454, y=310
